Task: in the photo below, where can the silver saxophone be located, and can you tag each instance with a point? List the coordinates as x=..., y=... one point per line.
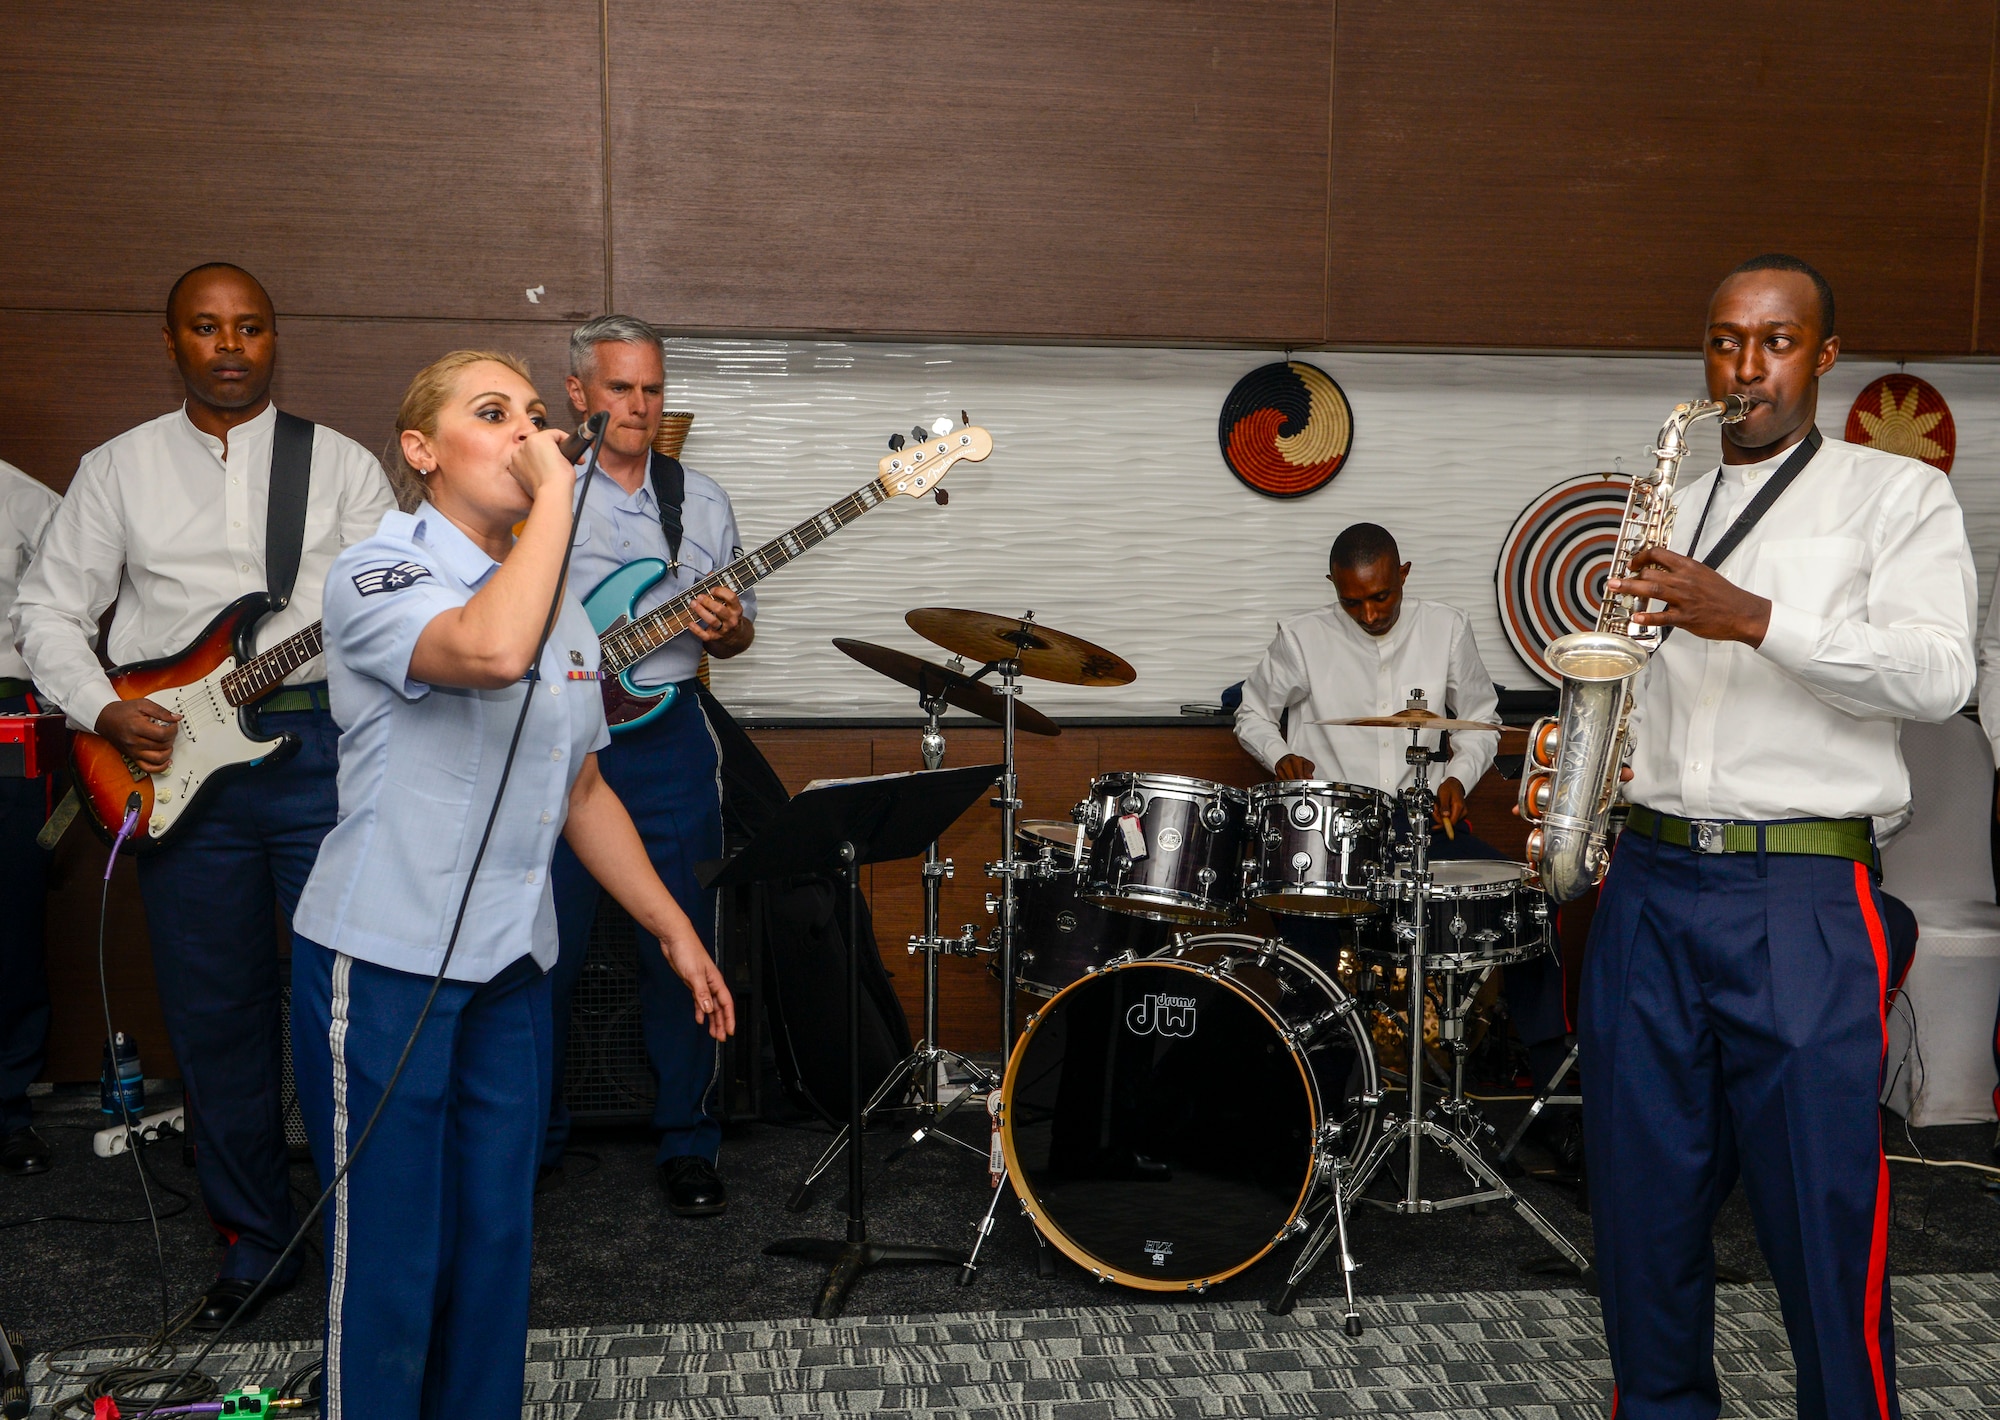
x=1571, y=777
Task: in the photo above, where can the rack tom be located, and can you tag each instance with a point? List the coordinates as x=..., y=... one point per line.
x=1061, y=936
x=1316, y=847
x=1164, y=846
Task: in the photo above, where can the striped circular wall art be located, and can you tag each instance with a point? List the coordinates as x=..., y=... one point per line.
x=1554, y=561
x=1286, y=429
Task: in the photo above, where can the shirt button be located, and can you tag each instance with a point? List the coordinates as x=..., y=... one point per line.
x=1696, y=766
x=235, y=525
x=531, y=877
x=546, y=815
x=246, y=566
x=555, y=687
x=234, y=480
x=1708, y=700
x=628, y=542
x=555, y=754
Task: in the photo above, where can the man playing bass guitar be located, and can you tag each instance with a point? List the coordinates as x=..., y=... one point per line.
x=666, y=768
x=172, y=520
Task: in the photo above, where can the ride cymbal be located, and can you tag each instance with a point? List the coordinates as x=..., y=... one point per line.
x=1043, y=652
x=928, y=678
x=1409, y=720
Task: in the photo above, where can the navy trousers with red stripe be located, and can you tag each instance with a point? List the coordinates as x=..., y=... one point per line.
x=1732, y=1025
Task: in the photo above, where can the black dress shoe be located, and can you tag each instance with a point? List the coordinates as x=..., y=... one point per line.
x=225, y=1298
x=693, y=1188
x=24, y=1151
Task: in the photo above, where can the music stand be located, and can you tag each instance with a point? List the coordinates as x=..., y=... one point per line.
x=833, y=830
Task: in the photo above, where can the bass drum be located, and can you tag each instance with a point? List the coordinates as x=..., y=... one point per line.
x=1166, y=1119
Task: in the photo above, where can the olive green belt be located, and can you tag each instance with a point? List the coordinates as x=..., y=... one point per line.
x=11, y=686
x=1850, y=838
x=295, y=697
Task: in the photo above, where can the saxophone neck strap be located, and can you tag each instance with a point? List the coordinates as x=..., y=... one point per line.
x=1731, y=539
x=1760, y=505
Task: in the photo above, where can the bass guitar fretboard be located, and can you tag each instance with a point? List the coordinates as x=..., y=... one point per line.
x=629, y=644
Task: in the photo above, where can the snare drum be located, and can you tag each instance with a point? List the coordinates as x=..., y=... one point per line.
x=1164, y=846
x=1060, y=936
x=1316, y=847
x=1477, y=913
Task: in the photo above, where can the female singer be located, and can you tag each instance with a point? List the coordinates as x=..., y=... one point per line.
x=431, y=627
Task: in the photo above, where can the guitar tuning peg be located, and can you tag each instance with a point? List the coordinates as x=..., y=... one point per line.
x=941, y=426
x=964, y=419
x=896, y=442
x=941, y=496
x=919, y=433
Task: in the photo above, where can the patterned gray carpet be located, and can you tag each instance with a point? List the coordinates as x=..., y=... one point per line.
x=1531, y=1355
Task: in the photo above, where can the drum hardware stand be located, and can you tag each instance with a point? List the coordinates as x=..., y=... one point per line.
x=1544, y=1097
x=1416, y=1125
x=920, y=1067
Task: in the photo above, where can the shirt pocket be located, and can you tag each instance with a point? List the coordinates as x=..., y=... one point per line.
x=1827, y=576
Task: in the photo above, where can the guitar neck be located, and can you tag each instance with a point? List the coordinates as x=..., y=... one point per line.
x=644, y=635
x=263, y=673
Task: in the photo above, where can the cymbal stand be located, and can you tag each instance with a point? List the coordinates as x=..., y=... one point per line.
x=920, y=1066
x=1417, y=1124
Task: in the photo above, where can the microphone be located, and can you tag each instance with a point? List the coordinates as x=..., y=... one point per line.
x=578, y=444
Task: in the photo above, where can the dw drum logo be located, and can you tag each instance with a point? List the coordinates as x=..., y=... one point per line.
x=1169, y=1015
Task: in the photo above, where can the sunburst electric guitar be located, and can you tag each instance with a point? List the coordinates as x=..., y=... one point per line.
x=211, y=685
x=625, y=636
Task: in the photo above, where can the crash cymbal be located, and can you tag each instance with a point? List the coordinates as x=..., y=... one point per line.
x=1409, y=720
x=1043, y=652
x=928, y=678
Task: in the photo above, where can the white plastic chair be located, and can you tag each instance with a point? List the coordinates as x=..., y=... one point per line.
x=1940, y=1065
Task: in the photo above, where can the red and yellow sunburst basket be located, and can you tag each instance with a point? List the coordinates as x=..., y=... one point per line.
x=1902, y=414
x=1286, y=429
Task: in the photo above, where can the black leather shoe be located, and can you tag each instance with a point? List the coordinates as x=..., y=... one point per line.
x=225, y=1297
x=693, y=1188
x=24, y=1151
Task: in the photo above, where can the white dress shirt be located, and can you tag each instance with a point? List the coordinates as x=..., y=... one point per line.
x=1873, y=593
x=1323, y=666
x=26, y=505
x=172, y=527
x=619, y=527
x=420, y=765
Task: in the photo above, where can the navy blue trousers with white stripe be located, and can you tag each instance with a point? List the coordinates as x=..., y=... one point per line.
x=1732, y=1025
x=666, y=775
x=428, y=1239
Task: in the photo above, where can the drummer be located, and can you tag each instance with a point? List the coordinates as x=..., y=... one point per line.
x=1364, y=655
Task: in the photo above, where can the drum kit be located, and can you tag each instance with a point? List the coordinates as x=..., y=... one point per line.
x=1200, y=1083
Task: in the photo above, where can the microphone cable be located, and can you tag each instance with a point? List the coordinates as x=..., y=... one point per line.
x=591, y=439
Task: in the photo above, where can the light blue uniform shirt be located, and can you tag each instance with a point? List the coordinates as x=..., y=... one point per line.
x=419, y=766
x=618, y=527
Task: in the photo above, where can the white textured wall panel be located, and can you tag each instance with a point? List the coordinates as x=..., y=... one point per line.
x=1107, y=509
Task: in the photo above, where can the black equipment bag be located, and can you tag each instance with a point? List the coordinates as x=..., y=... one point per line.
x=803, y=925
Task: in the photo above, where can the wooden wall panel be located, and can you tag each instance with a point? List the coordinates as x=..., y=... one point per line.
x=1132, y=170
x=75, y=381
x=370, y=158
x=1562, y=173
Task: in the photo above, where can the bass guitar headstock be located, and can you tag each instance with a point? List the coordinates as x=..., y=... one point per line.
x=918, y=461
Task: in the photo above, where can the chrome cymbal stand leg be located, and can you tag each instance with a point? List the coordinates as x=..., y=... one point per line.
x=1420, y=803
x=1009, y=804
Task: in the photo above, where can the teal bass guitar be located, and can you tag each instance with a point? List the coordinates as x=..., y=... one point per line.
x=626, y=637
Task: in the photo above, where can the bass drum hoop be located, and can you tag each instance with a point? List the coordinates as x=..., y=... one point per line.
x=1031, y=1204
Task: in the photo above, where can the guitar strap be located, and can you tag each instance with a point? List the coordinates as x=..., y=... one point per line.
x=669, y=481
x=285, y=512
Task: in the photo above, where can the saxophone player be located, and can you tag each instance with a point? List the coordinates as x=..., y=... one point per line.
x=1732, y=1015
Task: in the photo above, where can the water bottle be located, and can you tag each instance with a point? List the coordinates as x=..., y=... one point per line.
x=122, y=1087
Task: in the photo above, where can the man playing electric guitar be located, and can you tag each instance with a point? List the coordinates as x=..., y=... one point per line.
x=666, y=769
x=173, y=520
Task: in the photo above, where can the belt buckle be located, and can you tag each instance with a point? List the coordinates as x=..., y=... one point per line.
x=1706, y=835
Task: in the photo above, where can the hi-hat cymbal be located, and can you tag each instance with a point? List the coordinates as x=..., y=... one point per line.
x=1043, y=652
x=928, y=678
x=1409, y=720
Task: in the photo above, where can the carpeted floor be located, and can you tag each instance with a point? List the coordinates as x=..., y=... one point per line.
x=607, y=1251
x=1534, y=1356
